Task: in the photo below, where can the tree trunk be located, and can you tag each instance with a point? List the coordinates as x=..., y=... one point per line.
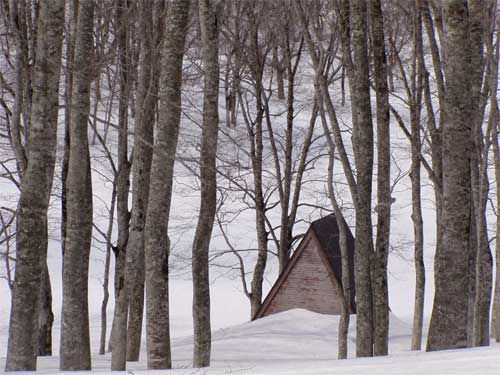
x=494, y=115
x=45, y=315
x=209, y=19
x=147, y=91
x=119, y=345
x=75, y=340
x=363, y=154
x=105, y=284
x=379, y=267
x=417, y=77
x=279, y=73
x=161, y=180
x=35, y=190
x=479, y=176
x=496, y=154
x=448, y=327
x=342, y=225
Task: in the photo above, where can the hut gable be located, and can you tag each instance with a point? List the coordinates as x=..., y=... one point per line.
x=312, y=278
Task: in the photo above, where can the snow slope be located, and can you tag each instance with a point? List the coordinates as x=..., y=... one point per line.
x=302, y=342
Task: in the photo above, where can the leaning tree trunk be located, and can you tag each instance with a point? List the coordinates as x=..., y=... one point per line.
x=209, y=19
x=448, y=326
x=345, y=292
x=75, y=338
x=379, y=266
x=363, y=154
x=35, y=190
x=160, y=192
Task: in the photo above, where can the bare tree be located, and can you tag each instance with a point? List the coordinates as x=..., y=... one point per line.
x=75, y=335
x=448, y=327
x=161, y=180
x=209, y=13
x=384, y=200
x=150, y=36
x=363, y=155
x=119, y=330
x=35, y=190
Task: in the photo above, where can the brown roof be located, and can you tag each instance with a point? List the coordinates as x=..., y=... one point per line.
x=327, y=232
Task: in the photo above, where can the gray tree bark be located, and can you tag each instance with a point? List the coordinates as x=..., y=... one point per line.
x=479, y=177
x=416, y=187
x=75, y=336
x=119, y=344
x=161, y=180
x=35, y=190
x=448, y=327
x=363, y=154
x=493, y=71
x=342, y=225
x=19, y=143
x=150, y=35
x=379, y=266
x=496, y=154
x=45, y=315
x=105, y=283
x=209, y=12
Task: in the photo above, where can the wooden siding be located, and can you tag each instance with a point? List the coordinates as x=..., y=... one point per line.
x=309, y=284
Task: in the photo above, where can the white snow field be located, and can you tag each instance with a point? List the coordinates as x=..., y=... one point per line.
x=301, y=342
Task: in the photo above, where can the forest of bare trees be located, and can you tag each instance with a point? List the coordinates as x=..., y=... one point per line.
x=277, y=111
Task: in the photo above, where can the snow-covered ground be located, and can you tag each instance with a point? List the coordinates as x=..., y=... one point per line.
x=302, y=342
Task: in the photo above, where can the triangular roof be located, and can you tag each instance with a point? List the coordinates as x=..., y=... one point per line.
x=326, y=232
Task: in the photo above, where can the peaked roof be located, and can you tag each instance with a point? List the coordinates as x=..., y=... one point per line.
x=326, y=231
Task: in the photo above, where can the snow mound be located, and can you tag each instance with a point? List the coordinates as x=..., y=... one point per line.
x=291, y=335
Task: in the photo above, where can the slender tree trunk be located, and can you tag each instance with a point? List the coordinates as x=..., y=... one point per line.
x=286, y=225
x=161, y=180
x=496, y=154
x=209, y=19
x=279, y=73
x=105, y=284
x=363, y=154
x=479, y=177
x=342, y=225
x=119, y=346
x=435, y=127
x=18, y=16
x=75, y=337
x=35, y=191
x=417, y=83
x=255, y=137
x=448, y=327
x=150, y=35
x=379, y=267
x=494, y=115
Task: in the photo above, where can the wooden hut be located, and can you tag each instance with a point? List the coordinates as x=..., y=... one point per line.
x=313, y=277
